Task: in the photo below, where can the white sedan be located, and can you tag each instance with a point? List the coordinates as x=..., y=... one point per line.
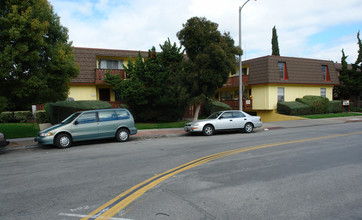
x=225, y=120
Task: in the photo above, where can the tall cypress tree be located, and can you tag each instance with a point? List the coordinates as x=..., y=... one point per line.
x=274, y=42
x=351, y=78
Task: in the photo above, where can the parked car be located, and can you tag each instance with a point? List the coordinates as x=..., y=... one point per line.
x=89, y=125
x=225, y=120
x=3, y=141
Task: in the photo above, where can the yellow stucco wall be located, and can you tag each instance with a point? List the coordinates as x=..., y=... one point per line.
x=265, y=97
x=261, y=97
x=87, y=92
x=80, y=92
x=273, y=115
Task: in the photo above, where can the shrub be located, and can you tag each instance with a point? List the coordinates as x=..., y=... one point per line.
x=6, y=117
x=59, y=111
x=22, y=116
x=214, y=106
x=124, y=106
x=318, y=104
x=41, y=117
x=3, y=103
x=335, y=106
x=293, y=108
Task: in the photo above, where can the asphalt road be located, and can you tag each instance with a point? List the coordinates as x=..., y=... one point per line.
x=297, y=173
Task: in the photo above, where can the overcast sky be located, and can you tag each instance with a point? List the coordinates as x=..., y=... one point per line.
x=306, y=28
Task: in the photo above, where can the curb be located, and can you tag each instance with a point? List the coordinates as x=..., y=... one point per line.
x=29, y=143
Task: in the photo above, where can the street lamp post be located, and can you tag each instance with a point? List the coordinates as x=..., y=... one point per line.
x=241, y=86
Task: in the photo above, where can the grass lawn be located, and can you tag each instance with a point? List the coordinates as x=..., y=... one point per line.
x=177, y=124
x=19, y=130
x=334, y=115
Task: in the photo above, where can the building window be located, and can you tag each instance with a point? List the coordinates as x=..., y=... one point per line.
x=110, y=64
x=323, y=92
x=244, y=71
x=226, y=96
x=325, y=73
x=280, y=94
x=236, y=95
x=282, y=66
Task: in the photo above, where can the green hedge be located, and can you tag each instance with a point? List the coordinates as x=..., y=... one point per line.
x=318, y=104
x=3, y=103
x=41, y=117
x=309, y=105
x=59, y=111
x=6, y=117
x=293, y=108
x=18, y=116
x=22, y=116
x=335, y=106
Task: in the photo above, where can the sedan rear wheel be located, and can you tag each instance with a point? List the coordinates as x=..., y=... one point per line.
x=208, y=130
x=248, y=128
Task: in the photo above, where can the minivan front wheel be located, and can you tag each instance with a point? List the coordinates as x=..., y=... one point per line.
x=63, y=141
x=122, y=135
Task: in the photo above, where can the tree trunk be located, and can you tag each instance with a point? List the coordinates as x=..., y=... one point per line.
x=197, y=111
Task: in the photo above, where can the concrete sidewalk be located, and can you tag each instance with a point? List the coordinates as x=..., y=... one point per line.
x=26, y=143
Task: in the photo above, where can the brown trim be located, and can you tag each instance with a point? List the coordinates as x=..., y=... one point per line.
x=91, y=48
x=281, y=83
x=82, y=84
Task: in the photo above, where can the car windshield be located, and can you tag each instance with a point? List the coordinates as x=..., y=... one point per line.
x=214, y=115
x=70, y=118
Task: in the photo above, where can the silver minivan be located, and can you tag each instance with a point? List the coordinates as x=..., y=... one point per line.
x=90, y=125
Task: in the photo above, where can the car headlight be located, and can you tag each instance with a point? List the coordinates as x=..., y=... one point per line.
x=45, y=134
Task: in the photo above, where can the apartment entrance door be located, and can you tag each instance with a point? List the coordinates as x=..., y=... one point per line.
x=105, y=94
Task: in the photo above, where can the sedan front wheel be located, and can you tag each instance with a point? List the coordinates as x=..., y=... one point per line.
x=208, y=130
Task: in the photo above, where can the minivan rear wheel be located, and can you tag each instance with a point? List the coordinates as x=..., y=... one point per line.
x=122, y=135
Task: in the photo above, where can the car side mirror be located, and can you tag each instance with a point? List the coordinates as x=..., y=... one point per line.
x=76, y=122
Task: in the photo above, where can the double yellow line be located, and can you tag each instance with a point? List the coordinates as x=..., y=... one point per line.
x=112, y=207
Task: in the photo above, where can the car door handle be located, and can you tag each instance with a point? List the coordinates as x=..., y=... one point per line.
x=231, y=120
x=244, y=119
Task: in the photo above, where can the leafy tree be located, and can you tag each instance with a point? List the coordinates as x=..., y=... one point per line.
x=36, y=59
x=274, y=42
x=351, y=78
x=211, y=58
x=153, y=89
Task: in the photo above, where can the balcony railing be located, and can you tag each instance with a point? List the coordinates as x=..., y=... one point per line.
x=101, y=74
x=234, y=81
x=234, y=104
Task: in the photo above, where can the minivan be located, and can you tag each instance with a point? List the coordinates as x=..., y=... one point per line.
x=89, y=125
